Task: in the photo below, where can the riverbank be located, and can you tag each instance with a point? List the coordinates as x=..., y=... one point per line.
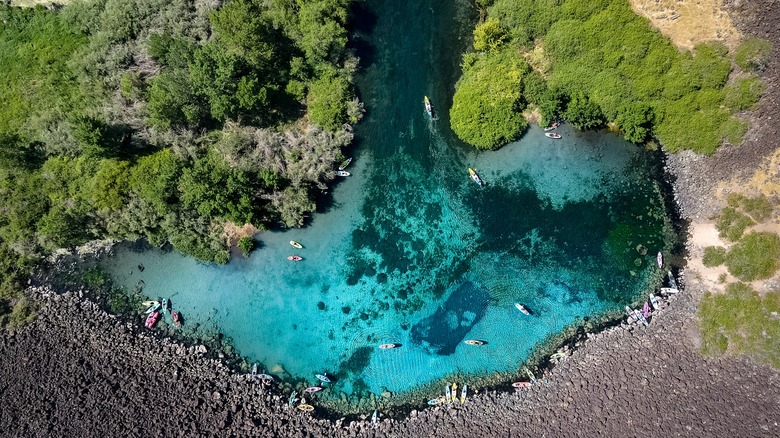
x=77, y=371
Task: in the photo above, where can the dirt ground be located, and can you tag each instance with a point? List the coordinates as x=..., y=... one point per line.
x=690, y=22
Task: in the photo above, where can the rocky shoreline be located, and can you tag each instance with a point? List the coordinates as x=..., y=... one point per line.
x=78, y=371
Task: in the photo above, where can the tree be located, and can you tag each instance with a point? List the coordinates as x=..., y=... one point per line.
x=109, y=185
x=583, y=113
x=154, y=178
x=327, y=101
x=488, y=36
x=486, y=107
x=635, y=121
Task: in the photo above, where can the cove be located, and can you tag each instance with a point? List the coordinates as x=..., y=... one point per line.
x=408, y=250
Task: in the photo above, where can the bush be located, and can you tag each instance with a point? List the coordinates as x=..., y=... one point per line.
x=754, y=257
x=488, y=36
x=740, y=320
x=753, y=54
x=743, y=94
x=327, y=102
x=583, y=113
x=759, y=208
x=714, y=256
x=486, y=107
x=731, y=224
x=246, y=244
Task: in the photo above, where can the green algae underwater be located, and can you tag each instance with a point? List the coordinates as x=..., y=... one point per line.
x=408, y=250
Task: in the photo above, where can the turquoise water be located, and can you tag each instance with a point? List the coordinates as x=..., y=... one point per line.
x=410, y=251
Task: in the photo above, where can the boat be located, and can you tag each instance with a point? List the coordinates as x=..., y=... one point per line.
x=447, y=394
x=463, y=393
x=342, y=173
x=660, y=258
x=153, y=307
x=654, y=301
x=266, y=378
x=475, y=177
x=291, y=400
x=558, y=355
x=454, y=392
x=151, y=320
x=522, y=309
x=646, y=309
x=552, y=127
x=669, y=290
x=552, y=135
x=672, y=281
x=294, y=258
x=165, y=304
x=637, y=316
x=254, y=371
x=475, y=342
x=373, y=419
x=313, y=389
x=428, y=106
x=323, y=377
x=176, y=318
x=345, y=163
x=521, y=385
x=434, y=401
x=389, y=346
x=305, y=408
x=296, y=244
x=150, y=303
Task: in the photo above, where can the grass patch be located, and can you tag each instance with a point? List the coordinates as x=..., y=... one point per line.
x=731, y=224
x=753, y=54
x=21, y=313
x=754, y=257
x=714, y=256
x=741, y=321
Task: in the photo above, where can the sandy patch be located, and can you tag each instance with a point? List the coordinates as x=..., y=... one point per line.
x=232, y=233
x=689, y=22
x=702, y=236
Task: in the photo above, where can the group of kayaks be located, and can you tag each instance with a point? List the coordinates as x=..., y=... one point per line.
x=342, y=166
x=548, y=131
x=652, y=303
x=155, y=309
x=450, y=395
x=295, y=258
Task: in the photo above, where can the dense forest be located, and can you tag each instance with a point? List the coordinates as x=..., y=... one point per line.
x=167, y=120
x=597, y=63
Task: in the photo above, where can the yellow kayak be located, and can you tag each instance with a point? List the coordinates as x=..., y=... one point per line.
x=296, y=244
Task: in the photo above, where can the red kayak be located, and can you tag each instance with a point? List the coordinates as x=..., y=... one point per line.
x=151, y=320
x=522, y=385
x=176, y=318
x=294, y=258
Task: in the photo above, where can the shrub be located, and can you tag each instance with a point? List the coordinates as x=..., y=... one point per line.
x=327, y=101
x=731, y=224
x=488, y=36
x=485, y=108
x=754, y=257
x=753, y=54
x=740, y=320
x=743, y=93
x=583, y=113
x=246, y=244
x=759, y=208
x=714, y=256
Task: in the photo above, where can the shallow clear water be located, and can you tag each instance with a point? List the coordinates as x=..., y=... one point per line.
x=410, y=251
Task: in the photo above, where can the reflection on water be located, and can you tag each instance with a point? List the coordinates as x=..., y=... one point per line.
x=412, y=252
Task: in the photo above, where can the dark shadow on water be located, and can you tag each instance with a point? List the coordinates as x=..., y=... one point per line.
x=362, y=23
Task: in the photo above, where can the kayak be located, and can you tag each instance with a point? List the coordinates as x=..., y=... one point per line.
x=463, y=393
x=342, y=173
x=296, y=244
x=522, y=385
x=522, y=309
x=552, y=135
x=313, y=389
x=669, y=290
x=323, y=378
x=447, y=394
x=291, y=401
x=165, y=304
x=176, y=318
x=428, y=106
x=265, y=377
x=474, y=342
x=254, y=371
x=660, y=259
x=654, y=302
x=435, y=401
x=473, y=175
x=305, y=408
x=345, y=163
x=646, y=310
x=389, y=346
x=672, y=281
x=153, y=307
x=454, y=392
x=294, y=258
x=151, y=320
x=150, y=303
x=530, y=375
x=373, y=419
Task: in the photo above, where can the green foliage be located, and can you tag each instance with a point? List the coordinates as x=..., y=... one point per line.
x=743, y=94
x=731, y=224
x=714, y=256
x=614, y=67
x=488, y=36
x=583, y=113
x=109, y=185
x=486, y=107
x=155, y=177
x=741, y=321
x=22, y=312
x=213, y=189
x=753, y=54
x=173, y=101
x=759, y=208
x=246, y=244
x=756, y=256
x=327, y=101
